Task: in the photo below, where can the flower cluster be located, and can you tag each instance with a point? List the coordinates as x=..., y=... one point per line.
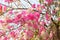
x=26, y=25
x=2, y=8
x=9, y=1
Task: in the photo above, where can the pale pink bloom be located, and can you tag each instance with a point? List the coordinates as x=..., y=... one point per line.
x=49, y=1
x=11, y=12
x=37, y=14
x=29, y=33
x=0, y=8
x=24, y=13
x=19, y=15
x=1, y=38
x=51, y=35
x=48, y=17
x=31, y=16
x=5, y=8
x=43, y=7
x=2, y=32
x=9, y=1
x=38, y=5
x=42, y=23
x=20, y=28
x=53, y=12
x=9, y=20
x=5, y=38
x=34, y=6
x=29, y=24
x=42, y=28
x=1, y=21
x=10, y=27
x=38, y=8
x=13, y=34
x=22, y=38
x=16, y=19
x=35, y=26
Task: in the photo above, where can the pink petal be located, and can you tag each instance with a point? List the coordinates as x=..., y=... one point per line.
x=5, y=8
x=34, y=5
x=10, y=12
x=47, y=16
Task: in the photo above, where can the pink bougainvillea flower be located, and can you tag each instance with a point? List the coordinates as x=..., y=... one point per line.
x=38, y=8
x=1, y=38
x=5, y=38
x=34, y=6
x=16, y=20
x=1, y=21
x=0, y=8
x=38, y=5
x=22, y=38
x=11, y=11
x=2, y=32
x=31, y=16
x=5, y=8
x=29, y=24
x=19, y=15
x=37, y=14
x=35, y=26
x=49, y=1
x=43, y=7
x=42, y=28
x=24, y=13
x=53, y=12
x=30, y=33
x=9, y=20
x=9, y=1
x=42, y=23
x=13, y=34
x=20, y=28
x=25, y=19
x=10, y=27
x=48, y=17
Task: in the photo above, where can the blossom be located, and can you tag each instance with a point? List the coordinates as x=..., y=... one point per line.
x=28, y=23
x=5, y=38
x=9, y=20
x=0, y=8
x=5, y=8
x=29, y=33
x=13, y=34
x=9, y=1
x=1, y=21
x=31, y=16
x=53, y=12
x=48, y=17
x=10, y=12
x=41, y=28
x=35, y=26
x=39, y=8
x=37, y=14
x=49, y=1
x=34, y=6
x=10, y=27
x=1, y=32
